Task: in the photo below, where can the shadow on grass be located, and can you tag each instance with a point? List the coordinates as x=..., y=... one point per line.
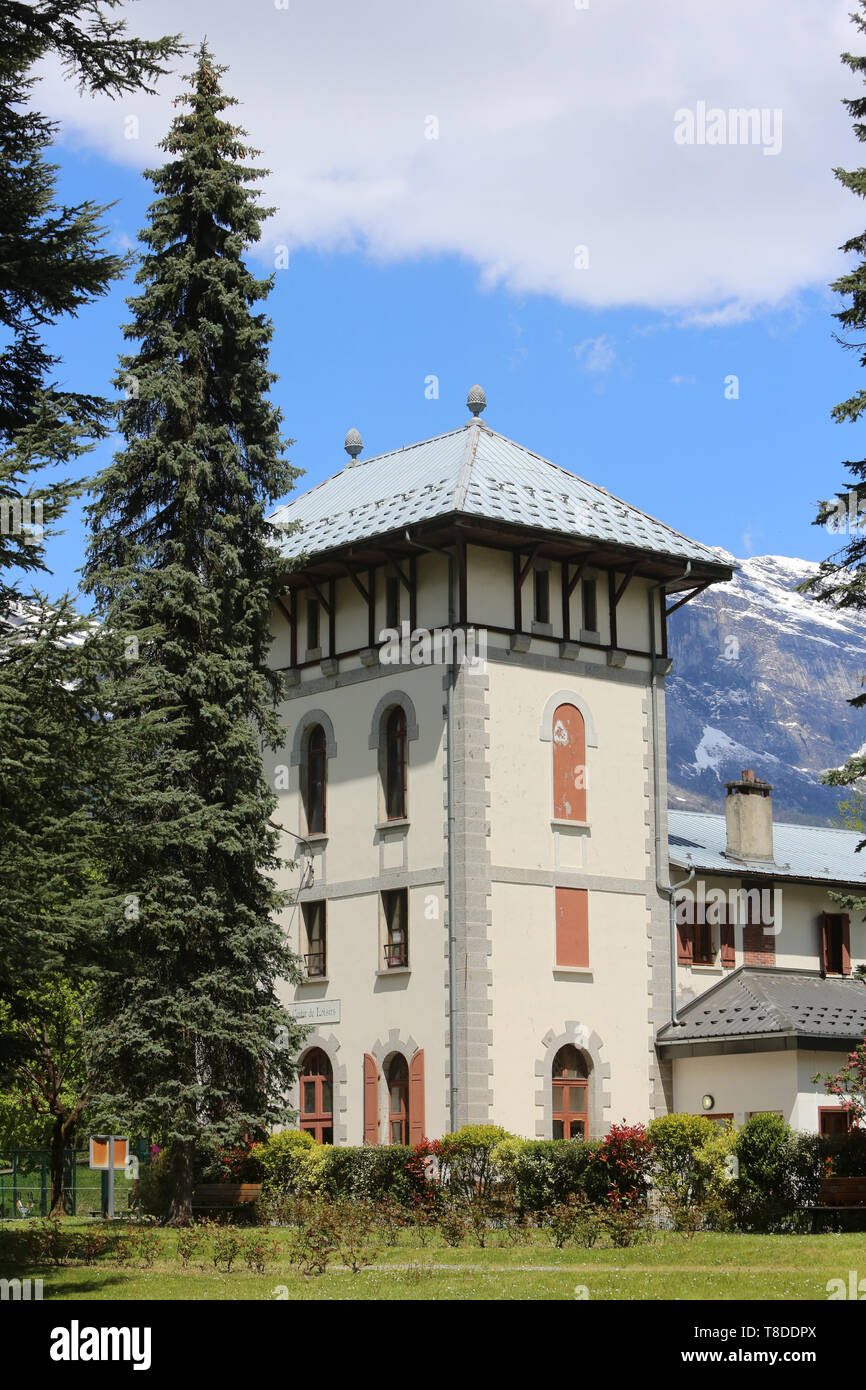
x=96, y=1282
x=89, y=1281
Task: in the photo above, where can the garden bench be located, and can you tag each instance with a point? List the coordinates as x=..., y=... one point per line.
x=223, y=1196
x=838, y=1195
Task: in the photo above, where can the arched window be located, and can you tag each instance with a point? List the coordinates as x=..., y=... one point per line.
x=398, y=1100
x=315, y=781
x=569, y=1094
x=569, y=764
x=395, y=764
x=317, y=1096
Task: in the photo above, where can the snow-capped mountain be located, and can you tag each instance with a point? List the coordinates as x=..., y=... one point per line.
x=761, y=678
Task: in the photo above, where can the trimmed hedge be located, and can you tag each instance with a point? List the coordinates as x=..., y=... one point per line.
x=372, y=1172
x=780, y=1170
x=545, y=1172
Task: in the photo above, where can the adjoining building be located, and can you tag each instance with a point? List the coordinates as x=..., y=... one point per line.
x=768, y=994
x=474, y=645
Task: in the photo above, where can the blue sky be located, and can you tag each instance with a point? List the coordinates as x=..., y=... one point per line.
x=622, y=389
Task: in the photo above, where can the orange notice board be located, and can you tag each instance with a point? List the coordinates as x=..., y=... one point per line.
x=99, y=1151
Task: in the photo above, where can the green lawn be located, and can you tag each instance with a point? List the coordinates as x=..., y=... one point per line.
x=712, y=1267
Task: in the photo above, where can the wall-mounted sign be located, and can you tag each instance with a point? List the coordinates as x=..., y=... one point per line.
x=317, y=1011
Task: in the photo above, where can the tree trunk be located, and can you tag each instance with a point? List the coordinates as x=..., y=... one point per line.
x=58, y=1144
x=180, y=1202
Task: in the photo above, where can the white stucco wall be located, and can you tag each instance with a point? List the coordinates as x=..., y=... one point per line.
x=739, y=1083
x=744, y=1082
x=354, y=863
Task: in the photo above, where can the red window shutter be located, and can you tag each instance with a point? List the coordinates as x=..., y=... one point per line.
x=371, y=1100
x=685, y=931
x=569, y=764
x=823, y=941
x=416, y=1098
x=846, y=944
x=727, y=940
x=572, y=926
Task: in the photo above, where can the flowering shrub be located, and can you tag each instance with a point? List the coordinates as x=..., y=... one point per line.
x=314, y=1243
x=453, y=1225
x=238, y=1164
x=624, y=1222
x=356, y=1232
x=189, y=1241
x=258, y=1251
x=226, y=1246
x=849, y=1084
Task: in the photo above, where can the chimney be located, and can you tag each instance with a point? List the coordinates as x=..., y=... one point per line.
x=749, y=818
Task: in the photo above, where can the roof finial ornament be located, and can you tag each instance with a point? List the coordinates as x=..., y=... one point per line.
x=354, y=444
x=476, y=400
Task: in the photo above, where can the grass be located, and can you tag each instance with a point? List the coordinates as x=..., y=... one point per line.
x=711, y=1267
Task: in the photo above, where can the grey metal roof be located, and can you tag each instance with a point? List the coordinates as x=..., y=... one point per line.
x=759, y=1001
x=801, y=851
x=477, y=472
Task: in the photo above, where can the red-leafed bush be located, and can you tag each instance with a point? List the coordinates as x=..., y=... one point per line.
x=626, y=1152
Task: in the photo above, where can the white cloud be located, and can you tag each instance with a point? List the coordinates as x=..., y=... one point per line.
x=596, y=354
x=555, y=131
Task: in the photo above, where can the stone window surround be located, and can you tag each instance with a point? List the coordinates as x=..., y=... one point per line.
x=598, y=1100
x=330, y=1046
x=382, y=1052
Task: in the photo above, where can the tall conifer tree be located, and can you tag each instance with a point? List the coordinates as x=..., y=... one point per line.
x=183, y=564
x=841, y=579
x=52, y=258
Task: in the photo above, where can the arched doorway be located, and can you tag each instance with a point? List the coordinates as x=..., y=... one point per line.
x=317, y=1096
x=570, y=1076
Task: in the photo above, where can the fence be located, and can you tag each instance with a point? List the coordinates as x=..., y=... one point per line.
x=25, y=1183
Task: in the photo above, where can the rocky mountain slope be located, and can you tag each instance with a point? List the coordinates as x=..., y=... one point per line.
x=761, y=678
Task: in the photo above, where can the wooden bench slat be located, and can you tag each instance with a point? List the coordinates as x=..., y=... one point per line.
x=226, y=1194
x=838, y=1192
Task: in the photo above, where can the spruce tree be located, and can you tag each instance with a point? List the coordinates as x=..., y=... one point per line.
x=183, y=565
x=52, y=261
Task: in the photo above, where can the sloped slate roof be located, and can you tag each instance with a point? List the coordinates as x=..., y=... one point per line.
x=477, y=472
x=801, y=851
x=757, y=1001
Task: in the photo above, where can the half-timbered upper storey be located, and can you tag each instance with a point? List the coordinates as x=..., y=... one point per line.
x=537, y=552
